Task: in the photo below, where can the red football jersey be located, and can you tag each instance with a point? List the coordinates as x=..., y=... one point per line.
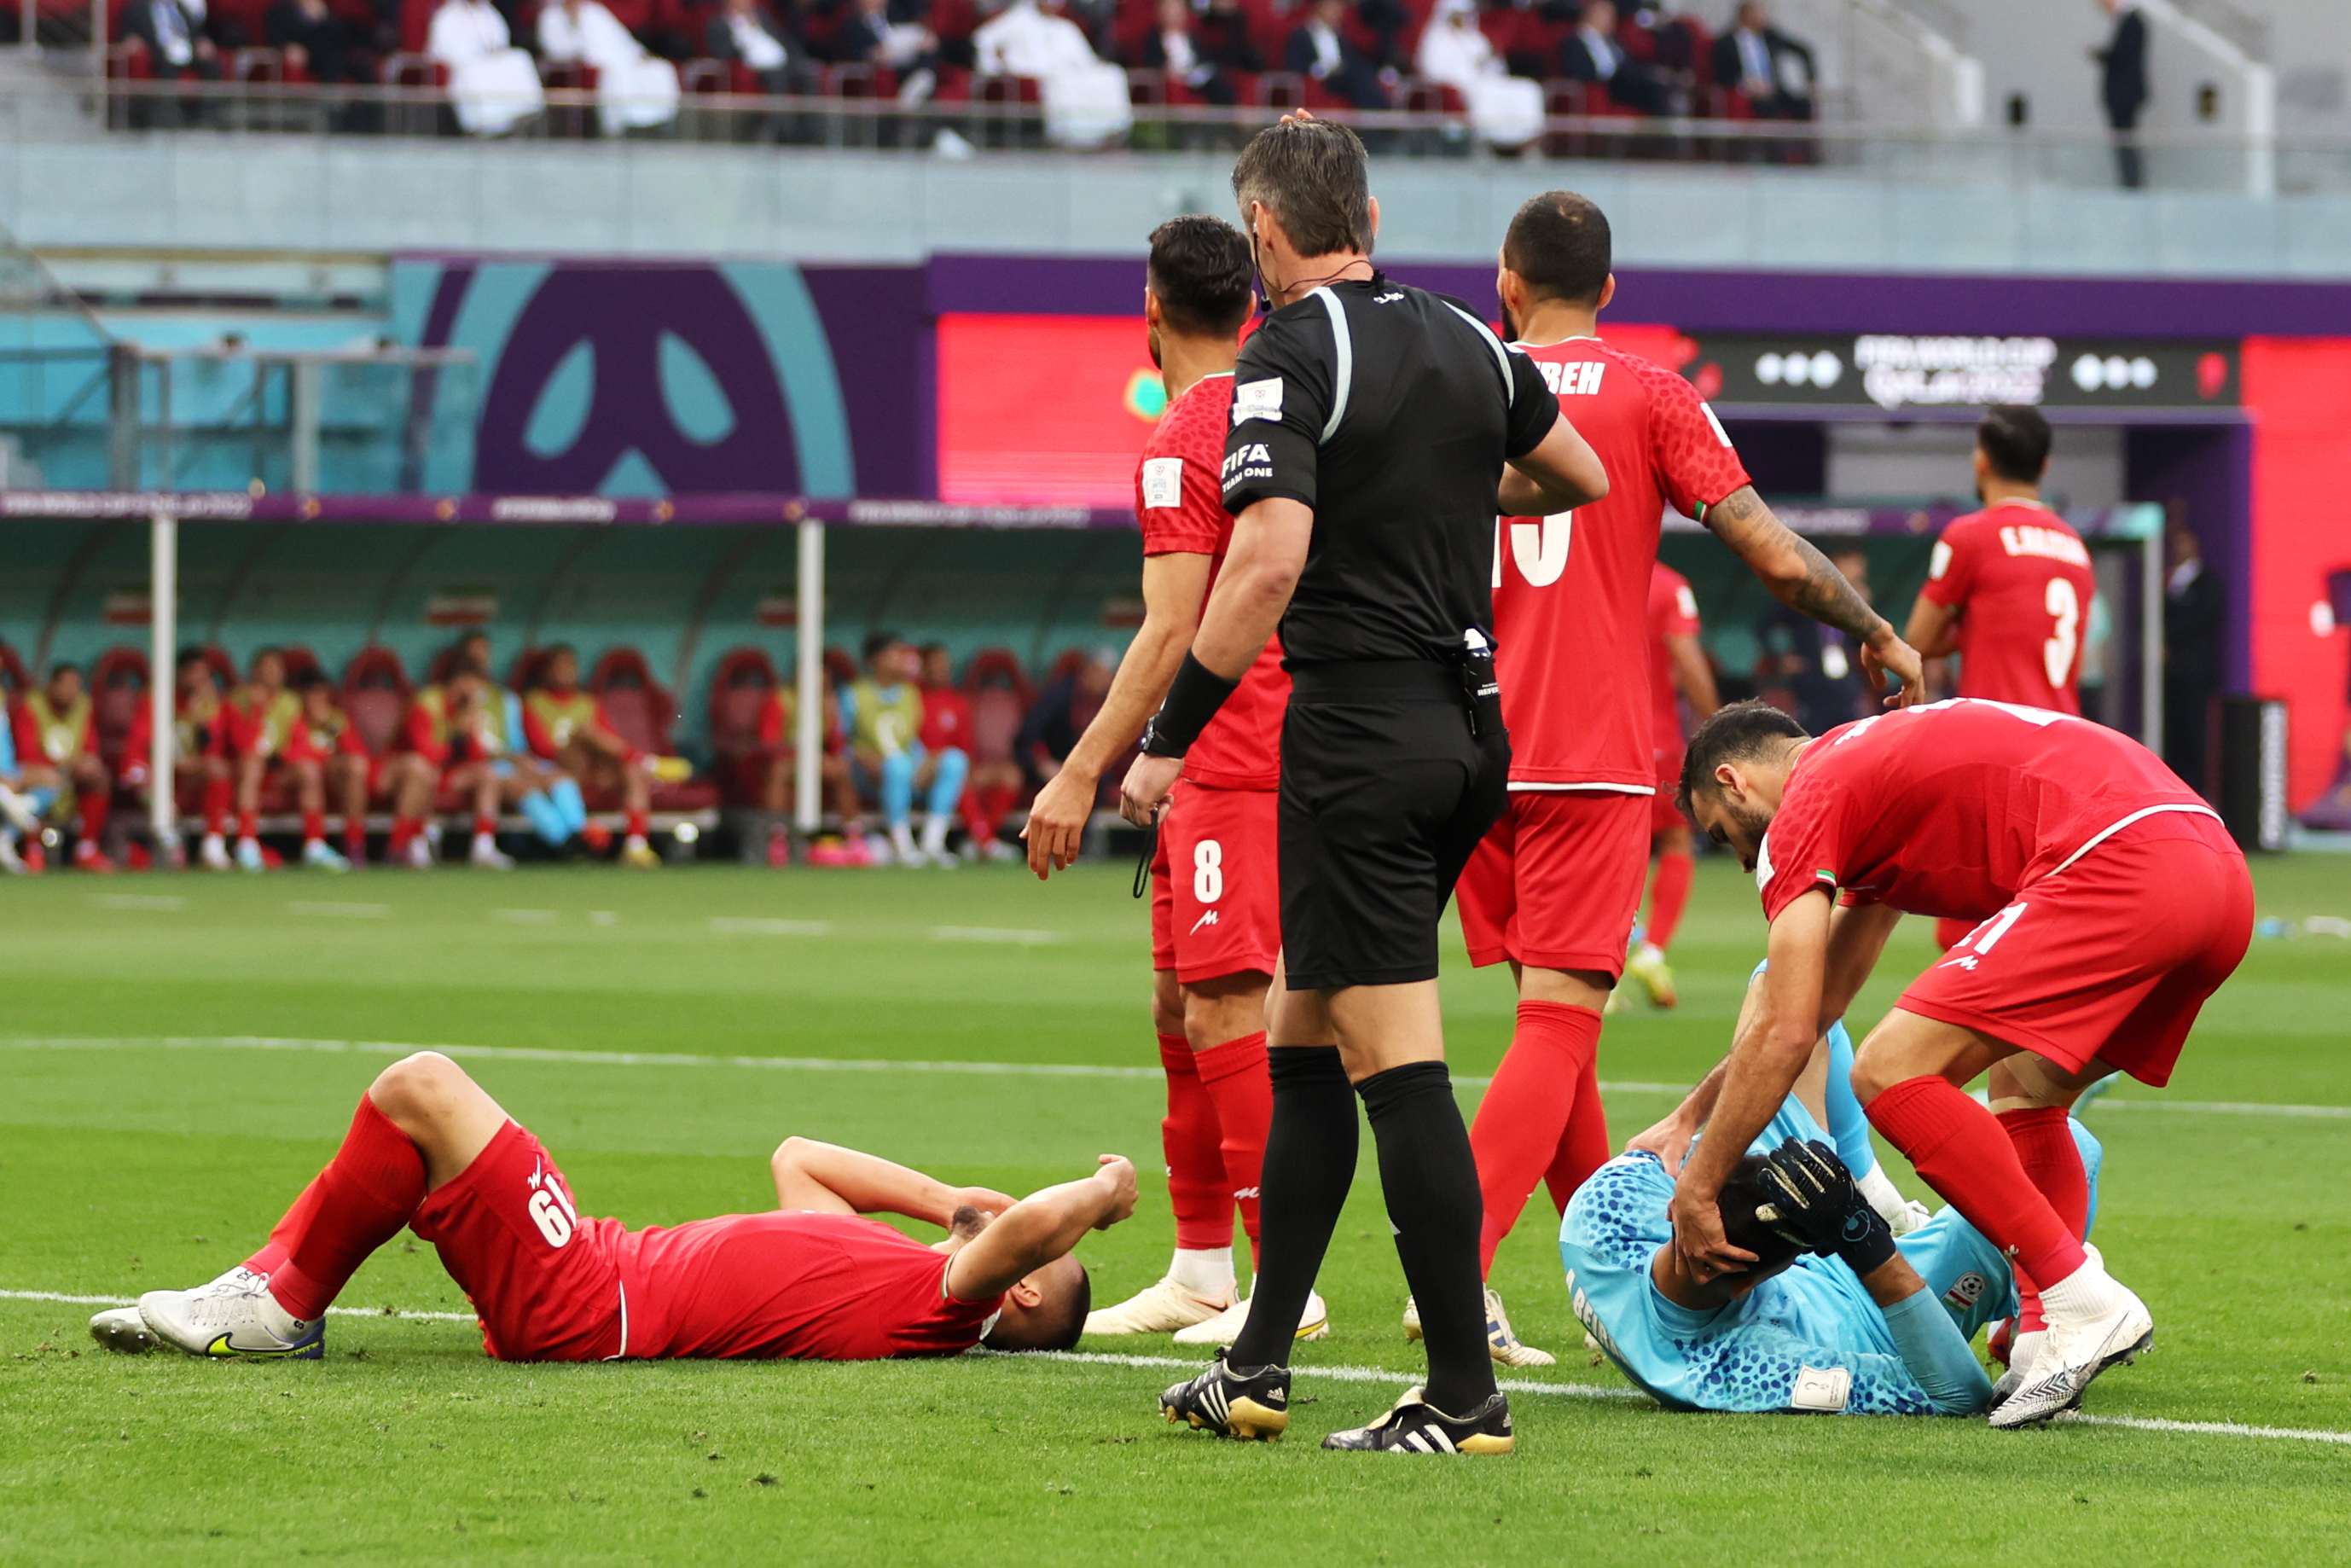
x=1673, y=613
x=946, y=720
x=1950, y=808
x=1179, y=497
x=2021, y=580
x=1572, y=590
x=795, y=1283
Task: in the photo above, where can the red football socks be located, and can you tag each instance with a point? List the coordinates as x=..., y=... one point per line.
x=639, y=823
x=1958, y=1146
x=360, y=1200
x=485, y=823
x=314, y=825
x=1235, y=1076
x=1668, y=896
x=1189, y=1136
x=248, y=825
x=219, y=797
x=2045, y=1147
x=287, y=1231
x=1541, y=1120
x=94, y=804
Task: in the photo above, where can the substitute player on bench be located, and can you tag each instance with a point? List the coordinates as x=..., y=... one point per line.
x=2111, y=902
x=2009, y=588
x=1556, y=886
x=430, y=1150
x=1377, y=429
x=1216, y=893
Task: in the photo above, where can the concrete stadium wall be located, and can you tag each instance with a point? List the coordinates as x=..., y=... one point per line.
x=644, y=199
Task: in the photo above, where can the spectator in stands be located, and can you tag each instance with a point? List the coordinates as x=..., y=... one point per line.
x=884, y=714
x=1504, y=109
x=635, y=89
x=779, y=738
x=1771, y=69
x=1222, y=33
x=566, y=728
x=1593, y=53
x=1320, y=50
x=55, y=734
x=324, y=734
x=316, y=42
x=1084, y=96
x=266, y=738
x=745, y=33
x=1061, y=714
x=177, y=51
x=947, y=726
x=2122, y=85
x=891, y=34
x=493, y=85
x=1170, y=47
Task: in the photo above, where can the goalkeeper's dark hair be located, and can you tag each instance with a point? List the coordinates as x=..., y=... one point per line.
x=1739, y=733
x=2015, y=441
x=1201, y=273
x=1559, y=244
x=1741, y=1196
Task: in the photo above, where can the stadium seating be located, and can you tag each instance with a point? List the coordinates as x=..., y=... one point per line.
x=118, y=685
x=375, y=695
x=641, y=711
x=739, y=690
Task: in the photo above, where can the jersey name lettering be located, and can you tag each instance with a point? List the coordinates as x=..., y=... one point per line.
x=1578, y=379
x=2024, y=539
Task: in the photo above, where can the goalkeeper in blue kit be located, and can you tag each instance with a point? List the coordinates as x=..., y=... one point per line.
x=1835, y=1315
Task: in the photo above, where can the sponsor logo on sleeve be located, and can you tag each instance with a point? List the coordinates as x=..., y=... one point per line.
x=1258, y=400
x=1244, y=463
x=1163, y=481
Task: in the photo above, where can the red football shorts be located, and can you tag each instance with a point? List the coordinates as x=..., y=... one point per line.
x=2110, y=957
x=1557, y=882
x=1216, y=883
x=1664, y=815
x=544, y=1279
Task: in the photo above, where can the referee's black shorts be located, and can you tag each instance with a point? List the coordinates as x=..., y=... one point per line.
x=1384, y=793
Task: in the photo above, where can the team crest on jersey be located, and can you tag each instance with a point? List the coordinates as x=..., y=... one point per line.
x=1258, y=400
x=1965, y=1291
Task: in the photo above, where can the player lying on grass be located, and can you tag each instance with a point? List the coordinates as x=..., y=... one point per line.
x=2112, y=904
x=1869, y=1311
x=811, y=1280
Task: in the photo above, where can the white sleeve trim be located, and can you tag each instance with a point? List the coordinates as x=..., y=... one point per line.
x=1343, y=375
x=1519, y=787
x=1502, y=355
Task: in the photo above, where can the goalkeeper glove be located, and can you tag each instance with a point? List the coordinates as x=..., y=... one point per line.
x=1814, y=1197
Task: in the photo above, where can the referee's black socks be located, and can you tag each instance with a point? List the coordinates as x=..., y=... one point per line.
x=1310, y=1163
x=1430, y=1178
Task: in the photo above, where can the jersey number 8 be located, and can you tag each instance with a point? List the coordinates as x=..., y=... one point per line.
x=1208, y=870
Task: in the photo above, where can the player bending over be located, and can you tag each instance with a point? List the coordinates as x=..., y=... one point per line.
x=810, y=1280
x=1215, y=895
x=2111, y=902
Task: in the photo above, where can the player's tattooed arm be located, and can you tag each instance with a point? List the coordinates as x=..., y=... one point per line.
x=1805, y=581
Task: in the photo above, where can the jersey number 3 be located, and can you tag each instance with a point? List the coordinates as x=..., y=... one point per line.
x=2057, y=654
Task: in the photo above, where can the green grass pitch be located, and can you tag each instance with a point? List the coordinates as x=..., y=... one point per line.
x=137, y=1150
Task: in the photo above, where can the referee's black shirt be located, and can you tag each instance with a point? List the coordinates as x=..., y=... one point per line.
x=1389, y=412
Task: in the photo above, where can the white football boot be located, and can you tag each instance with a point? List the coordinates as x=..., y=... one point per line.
x=235, y=1315
x=487, y=856
x=320, y=855
x=1501, y=1342
x=122, y=1330
x=1313, y=1322
x=2095, y=1322
x=1165, y=1305
x=2024, y=1353
x=213, y=853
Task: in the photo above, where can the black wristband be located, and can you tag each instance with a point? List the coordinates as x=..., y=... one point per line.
x=1869, y=1241
x=1192, y=701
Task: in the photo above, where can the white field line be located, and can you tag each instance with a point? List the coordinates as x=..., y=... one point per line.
x=638, y=1058
x=997, y=934
x=1336, y=1375
x=742, y=925
x=844, y=1065
x=339, y=911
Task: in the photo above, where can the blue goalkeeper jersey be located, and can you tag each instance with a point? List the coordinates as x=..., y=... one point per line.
x=1807, y=1339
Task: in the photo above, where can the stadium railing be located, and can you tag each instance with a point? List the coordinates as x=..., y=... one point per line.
x=411, y=103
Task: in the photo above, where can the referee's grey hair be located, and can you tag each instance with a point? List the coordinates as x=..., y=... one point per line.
x=1311, y=174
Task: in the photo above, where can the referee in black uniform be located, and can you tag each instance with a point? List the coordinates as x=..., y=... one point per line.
x=1376, y=432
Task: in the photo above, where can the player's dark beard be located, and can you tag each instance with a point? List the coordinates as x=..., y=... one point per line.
x=1151, y=334
x=1509, y=327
